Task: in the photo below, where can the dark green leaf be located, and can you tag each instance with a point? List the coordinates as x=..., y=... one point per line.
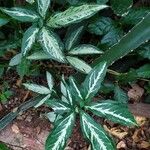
x=93, y=81
x=21, y=14
x=120, y=95
x=73, y=37
x=74, y=15
x=95, y=134
x=113, y=111
x=51, y=44
x=60, y=134
x=29, y=39
x=121, y=7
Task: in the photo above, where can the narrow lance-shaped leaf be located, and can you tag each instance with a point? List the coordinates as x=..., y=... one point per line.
x=21, y=14
x=75, y=89
x=113, y=111
x=85, y=49
x=73, y=36
x=95, y=133
x=79, y=64
x=133, y=39
x=40, y=55
x=42, y=101
x=74, y=15
x=3, y=20
x=93, y=81
x=37, y=88
x=51, y=44
x=43, y=7
x=60, y=134
x=69, y=95
x=15, y=60
x=63, y=87
x=58, y=106
x=50, y=80
x=29, y=39
x=120, y=95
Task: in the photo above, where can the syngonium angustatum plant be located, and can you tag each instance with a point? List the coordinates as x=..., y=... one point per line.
x=44, y=23
x=77, y=100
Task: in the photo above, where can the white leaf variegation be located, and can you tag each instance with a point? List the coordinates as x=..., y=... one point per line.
x=42, y=101
x=49, y=80
x=79, y=64
x=74, y=15
x=43, y=7
x=95, y=133
x=21, y=14
x=113, y=111
x=60, y=134
x=58, y=106
x=63, y=86
x=73, y=36
x=94, y=79
x=69, y=95
x=75, y=89
x=37, y=88
x=51, y=44
x=29, y=39
x=40, y=55
x=85, y=49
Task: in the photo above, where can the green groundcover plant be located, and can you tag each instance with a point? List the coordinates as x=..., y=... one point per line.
x=77, y=33
x=78, y=100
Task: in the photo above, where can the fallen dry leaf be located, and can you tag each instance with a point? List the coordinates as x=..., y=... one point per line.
x=140, y=120
x=15, y=128
x=121, y=144
x=145, y=144
x=136, y=92
x=116, y=132
x=135, y=136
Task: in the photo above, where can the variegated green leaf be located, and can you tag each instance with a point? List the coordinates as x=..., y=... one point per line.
x=95, y=134
x=113, y=111
x=40, y=55
x=21, y=14
x=74, y=15
x=30, y=1
x=29, y=39
x=75, y=89
x=50, y=80
x=51, y=44
x=58, y=106
x=93, y=80
x=3, y=20
x=63, y=87
x=60, y=134
x=69, y=95
x=43, y=7
x=15, y=60
x=85, y=49
x=73, y=36
x=42, y=101
x=37, y=88
x=79, y=64
x=120, y=95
